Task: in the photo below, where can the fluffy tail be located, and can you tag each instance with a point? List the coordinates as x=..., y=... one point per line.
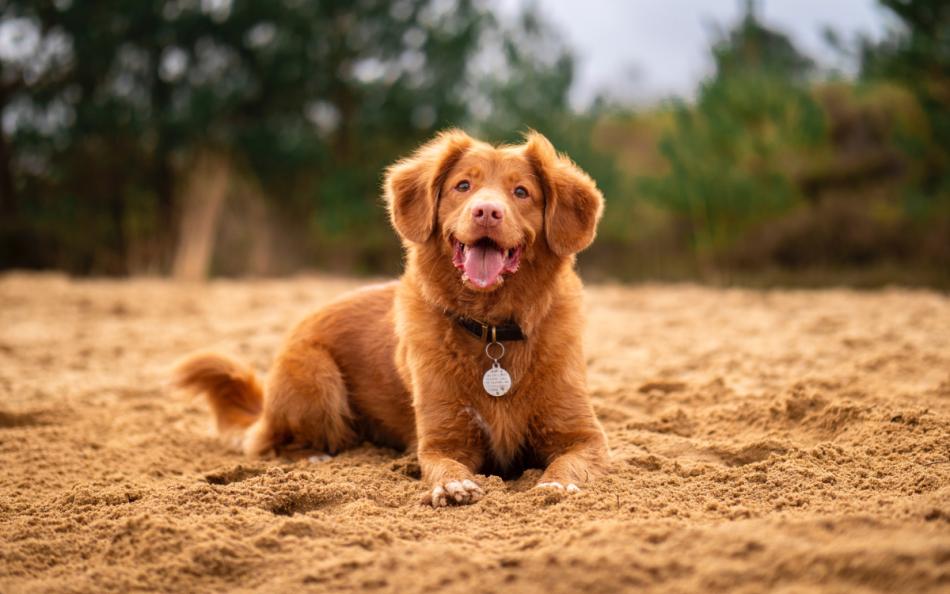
x=232, y=390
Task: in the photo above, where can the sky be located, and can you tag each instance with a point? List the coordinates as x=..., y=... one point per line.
x=647, y=50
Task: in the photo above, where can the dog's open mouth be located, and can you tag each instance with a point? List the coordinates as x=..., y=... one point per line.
x=484, y=262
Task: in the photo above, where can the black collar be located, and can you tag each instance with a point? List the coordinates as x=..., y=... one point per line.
x=510, y=330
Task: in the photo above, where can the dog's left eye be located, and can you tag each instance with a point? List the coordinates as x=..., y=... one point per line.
x=463, y=186
x=521, y=192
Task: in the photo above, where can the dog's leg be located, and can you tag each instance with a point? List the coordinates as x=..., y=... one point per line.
x=452, y=482
x=575, y=458
x=305, y=404
x=450, y=452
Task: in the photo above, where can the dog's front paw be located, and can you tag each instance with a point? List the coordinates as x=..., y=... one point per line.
x=460, y=492
x=570, y=488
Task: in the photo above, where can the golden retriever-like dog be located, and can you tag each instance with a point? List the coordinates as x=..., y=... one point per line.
x=490, y=234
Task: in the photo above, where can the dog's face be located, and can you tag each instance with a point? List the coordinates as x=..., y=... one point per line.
x=491, y=208
x=492, y=211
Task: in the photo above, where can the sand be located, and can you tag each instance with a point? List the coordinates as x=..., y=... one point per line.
x=786, y=441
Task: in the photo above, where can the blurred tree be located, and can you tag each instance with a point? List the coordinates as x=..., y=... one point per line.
x=128, y=124
x=733, y=157
x=753, y=48
x=107, y=105
x=916, y=53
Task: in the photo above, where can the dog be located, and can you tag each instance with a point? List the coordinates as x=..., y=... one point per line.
x=473, y=358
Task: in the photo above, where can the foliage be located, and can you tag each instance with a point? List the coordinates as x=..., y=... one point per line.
x=734, y=155
x=916, y=53
x=309, y=98
x=107, y=108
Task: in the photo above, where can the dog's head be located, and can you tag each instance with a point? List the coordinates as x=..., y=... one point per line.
x=492, y=211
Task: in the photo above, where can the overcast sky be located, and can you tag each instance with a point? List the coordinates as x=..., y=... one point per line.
x=644, y=50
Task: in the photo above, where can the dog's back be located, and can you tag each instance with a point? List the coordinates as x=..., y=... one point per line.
x=333, y=383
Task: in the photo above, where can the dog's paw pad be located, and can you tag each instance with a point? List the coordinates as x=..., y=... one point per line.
x=457, y=492
x=439, y=497
x=570, y=488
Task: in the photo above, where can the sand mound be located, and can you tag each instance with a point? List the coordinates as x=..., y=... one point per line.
x=784, y=440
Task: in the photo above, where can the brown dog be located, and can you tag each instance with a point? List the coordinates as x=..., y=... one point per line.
x=490, y=235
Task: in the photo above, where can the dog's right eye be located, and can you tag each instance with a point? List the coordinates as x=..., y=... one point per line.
x=463, y=186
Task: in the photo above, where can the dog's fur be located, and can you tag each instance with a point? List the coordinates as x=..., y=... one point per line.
x=389, y=364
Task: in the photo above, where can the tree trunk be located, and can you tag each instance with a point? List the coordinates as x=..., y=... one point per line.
x=202, y=197
x=8, y=205
x=166, y=234
x=260, y=258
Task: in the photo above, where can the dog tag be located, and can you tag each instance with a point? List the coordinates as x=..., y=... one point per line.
x=496, y=380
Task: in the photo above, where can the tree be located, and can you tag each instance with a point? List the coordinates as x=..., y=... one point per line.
x=916, y=53
x=732, y=156
x=117, y=98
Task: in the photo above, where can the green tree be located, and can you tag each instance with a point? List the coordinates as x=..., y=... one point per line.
x=116, y=99
x=732, y=157
x=916, y=53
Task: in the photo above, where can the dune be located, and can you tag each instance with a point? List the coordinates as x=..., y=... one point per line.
x=781, y=440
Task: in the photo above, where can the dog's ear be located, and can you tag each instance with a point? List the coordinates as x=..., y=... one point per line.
x=573, y=204
x=412, y=185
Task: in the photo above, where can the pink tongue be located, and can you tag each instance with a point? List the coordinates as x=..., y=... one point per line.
x=483, y=264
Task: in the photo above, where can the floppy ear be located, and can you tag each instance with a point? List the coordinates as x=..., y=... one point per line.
x=573, y=204
x=412, y=185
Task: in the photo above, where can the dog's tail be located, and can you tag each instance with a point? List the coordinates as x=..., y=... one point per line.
x=232, y=390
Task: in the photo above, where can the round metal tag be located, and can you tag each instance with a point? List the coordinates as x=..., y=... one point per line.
x=496, y=381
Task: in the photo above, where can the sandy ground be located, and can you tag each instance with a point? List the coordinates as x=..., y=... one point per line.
x=786, y=441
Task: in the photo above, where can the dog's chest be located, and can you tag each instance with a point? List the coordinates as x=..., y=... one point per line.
x=502, y=420
x=503, y=427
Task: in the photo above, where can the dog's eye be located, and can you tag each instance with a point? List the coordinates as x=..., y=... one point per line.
x=463, y=186
x=521, y=192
